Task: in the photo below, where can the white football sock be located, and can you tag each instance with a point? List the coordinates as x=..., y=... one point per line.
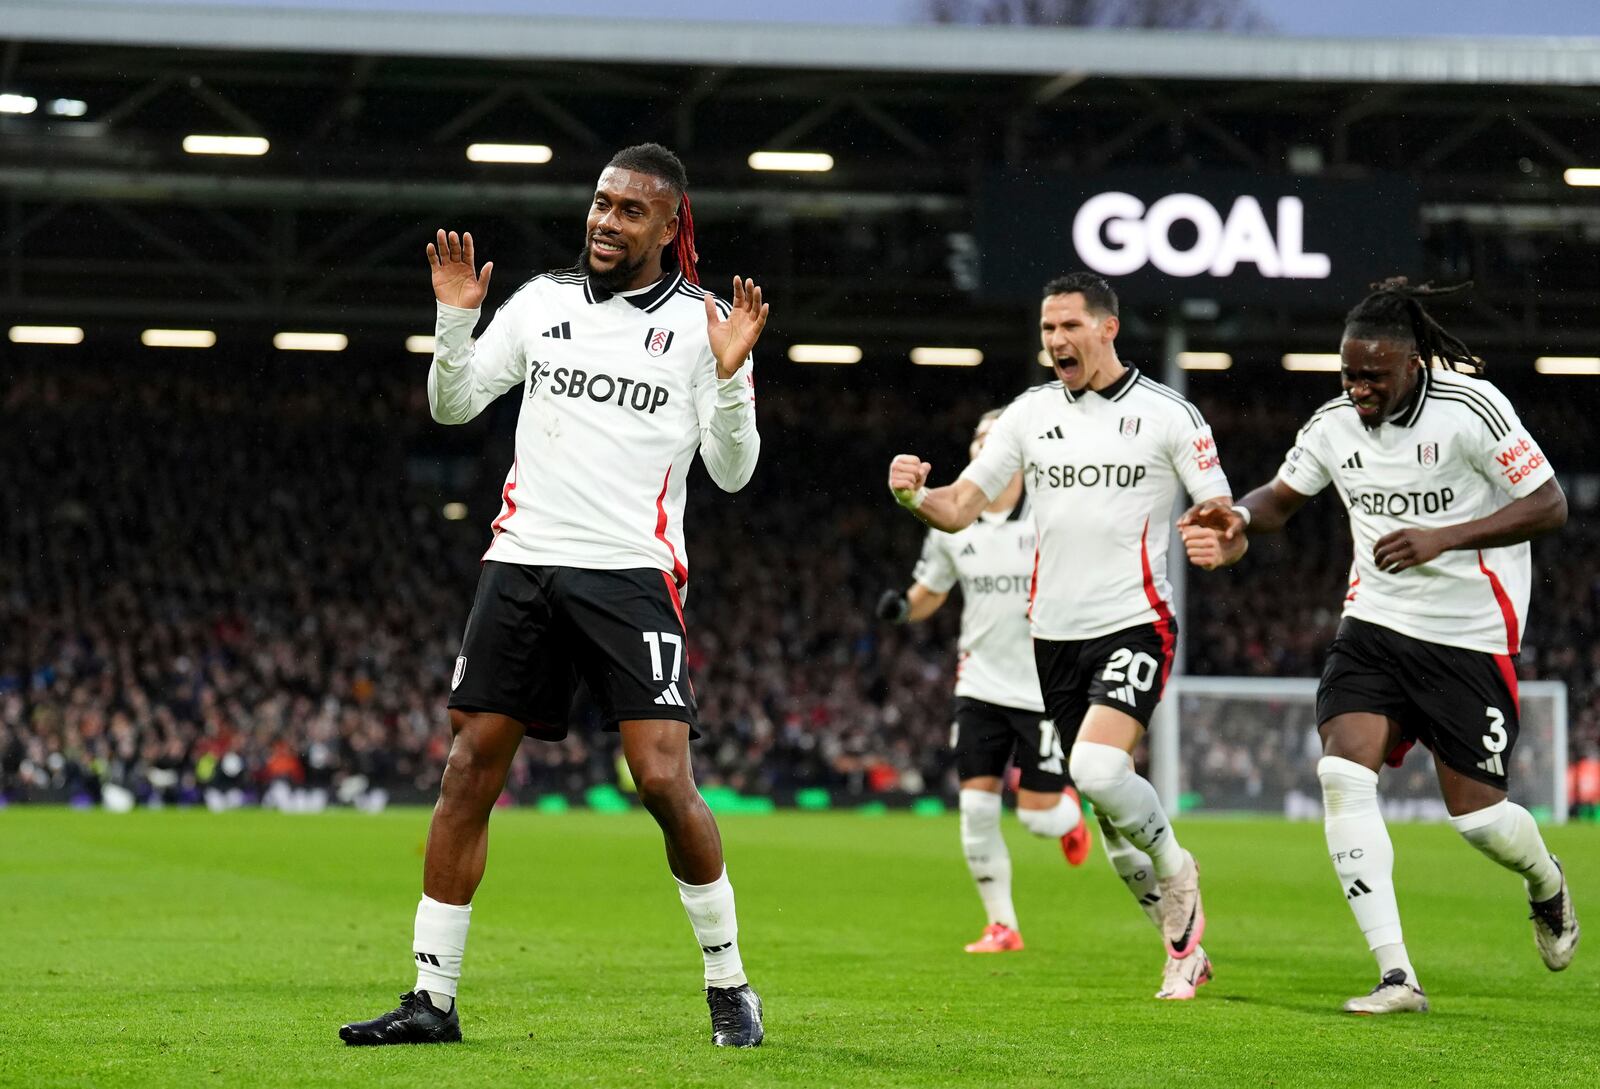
x=1363, y=857
x=438, y=944
x=988, y=860
x=1105, y=775
x=1051, y=823
x=716, y=928
x=1507, y=833
x=1135, y=869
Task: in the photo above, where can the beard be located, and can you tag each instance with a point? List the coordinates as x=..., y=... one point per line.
x=613, y=279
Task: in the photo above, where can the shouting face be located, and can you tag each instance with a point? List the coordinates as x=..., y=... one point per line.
x=1077, y=340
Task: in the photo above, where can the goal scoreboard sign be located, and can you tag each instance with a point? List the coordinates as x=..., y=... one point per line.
x=1307, y=243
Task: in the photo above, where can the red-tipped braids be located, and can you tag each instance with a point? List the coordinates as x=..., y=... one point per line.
x=683, y=245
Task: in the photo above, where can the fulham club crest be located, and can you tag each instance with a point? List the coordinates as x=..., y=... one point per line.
x=461, y=667
x=1130, y=426
x=1427, y=454
x=657, y=341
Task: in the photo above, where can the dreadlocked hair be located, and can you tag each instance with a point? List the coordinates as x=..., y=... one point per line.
x=1395, y=309
x=660, y=162
x=683, y=245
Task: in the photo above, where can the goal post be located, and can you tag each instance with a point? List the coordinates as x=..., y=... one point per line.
x=1250, y=745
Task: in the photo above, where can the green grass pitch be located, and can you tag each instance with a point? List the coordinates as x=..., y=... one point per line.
x=190, y=949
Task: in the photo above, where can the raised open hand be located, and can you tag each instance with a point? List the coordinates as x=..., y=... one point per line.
x=734, y=337
x=456, y=280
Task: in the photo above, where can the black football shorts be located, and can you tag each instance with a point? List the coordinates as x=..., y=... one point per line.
x=1126, y=670
x=986, y=737
x=1461, y=704
x=534, y=630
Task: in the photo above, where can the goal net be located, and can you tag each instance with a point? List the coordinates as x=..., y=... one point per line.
x=1250, y=745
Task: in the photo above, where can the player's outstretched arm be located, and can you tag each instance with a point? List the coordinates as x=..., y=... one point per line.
x=1544, y=511
x=950, y=508
x=1215, y=533
x=733, y=338
x=729, y=441
x=466, y=375
x=915, y=603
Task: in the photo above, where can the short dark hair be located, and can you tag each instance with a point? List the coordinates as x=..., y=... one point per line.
x=1394, y=311
x=1097, y=294
x=655, y=160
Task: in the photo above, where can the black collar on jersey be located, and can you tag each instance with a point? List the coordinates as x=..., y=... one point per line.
x=1113, y=392
x=648, y=300
x=1407, y=414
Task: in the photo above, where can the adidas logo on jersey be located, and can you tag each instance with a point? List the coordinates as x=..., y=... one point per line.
x=1360, y=888
x=559, y=332
x=1352, y=462
x=670, y=697
x=970, y=550
x=1494, y=765
x=1125, y=694
x=1054, y=433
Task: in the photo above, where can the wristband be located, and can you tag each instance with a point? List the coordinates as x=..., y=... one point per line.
x=1242, y=512
x=915, y=500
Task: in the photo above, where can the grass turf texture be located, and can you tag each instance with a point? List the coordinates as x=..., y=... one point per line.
x=188, y=949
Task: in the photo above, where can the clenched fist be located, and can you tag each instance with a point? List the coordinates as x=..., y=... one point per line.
x=908, y=475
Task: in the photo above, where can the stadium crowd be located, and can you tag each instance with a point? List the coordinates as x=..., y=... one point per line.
x=227, y=582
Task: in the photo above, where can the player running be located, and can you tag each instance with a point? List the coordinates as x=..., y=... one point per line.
x=629, y=368
x=999, y=714
x=1102, y=450
x=1445, y=487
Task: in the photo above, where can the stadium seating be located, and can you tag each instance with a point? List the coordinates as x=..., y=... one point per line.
x=220, y=577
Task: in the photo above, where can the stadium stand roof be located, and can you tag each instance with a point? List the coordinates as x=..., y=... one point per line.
x=105, y=219
x=988, y=50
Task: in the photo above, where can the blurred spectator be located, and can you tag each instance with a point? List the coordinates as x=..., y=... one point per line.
x=223, y=583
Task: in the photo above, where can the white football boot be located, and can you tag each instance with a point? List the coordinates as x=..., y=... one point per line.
x=1393, y=994
x=1181, y=978
x=1183, y=919
x=1555, y=926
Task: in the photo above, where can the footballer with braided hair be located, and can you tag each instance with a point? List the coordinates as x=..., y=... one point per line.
x=629, y=370
x=1445, y=487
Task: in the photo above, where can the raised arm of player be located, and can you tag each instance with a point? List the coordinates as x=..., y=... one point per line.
x=1215, y=534
x=729, y=441
x=1518, y=521
x=466, y=375
x=734, y=337
x=456, y=279
x=950, y=508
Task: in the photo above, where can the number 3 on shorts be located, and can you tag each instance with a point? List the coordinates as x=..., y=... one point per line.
x=1495, y=740
x=653, y=640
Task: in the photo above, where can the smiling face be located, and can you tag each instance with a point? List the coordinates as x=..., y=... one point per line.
x=1078, y=341
x=1378, y=375
x=633, y=218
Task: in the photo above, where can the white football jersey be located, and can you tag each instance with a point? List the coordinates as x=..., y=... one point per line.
x=992, y=559
x=620, y=392
x=1458, y=453
x=1103, y=469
